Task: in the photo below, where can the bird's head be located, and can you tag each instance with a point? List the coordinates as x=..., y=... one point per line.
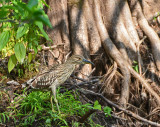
x=78, y=59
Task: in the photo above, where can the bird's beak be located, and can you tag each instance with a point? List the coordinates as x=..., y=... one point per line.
x=87, y=62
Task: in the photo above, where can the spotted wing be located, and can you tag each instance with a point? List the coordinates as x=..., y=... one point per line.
x=46, y=78
x=59, y=73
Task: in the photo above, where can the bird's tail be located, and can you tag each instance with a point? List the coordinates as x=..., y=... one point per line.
x=32, y=82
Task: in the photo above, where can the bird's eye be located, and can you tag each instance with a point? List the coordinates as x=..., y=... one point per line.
x=78, y=59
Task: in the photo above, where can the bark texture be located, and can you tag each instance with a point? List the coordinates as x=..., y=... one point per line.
x=80, y=42
x=58, y=15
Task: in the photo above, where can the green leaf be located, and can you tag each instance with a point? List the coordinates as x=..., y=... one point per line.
x=107, y=110
x=22, y=30
x=40, y=15
x=40, y=25
x=32, y=3
x=29, y=57
x=20, y=52
x=4, y=118
x=136, y=69
x=97, y=105
x=3, y=12
x=35, y=49
x=43, y=1
x=4, y=38
x=44, y=18
x=48, y=121
x=135, y=62
x=39, y=47
x=12, y=63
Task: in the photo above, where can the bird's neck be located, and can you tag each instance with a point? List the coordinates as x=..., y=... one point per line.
x=70, y=65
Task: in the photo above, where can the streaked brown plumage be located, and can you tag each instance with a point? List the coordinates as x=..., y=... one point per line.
x=58, y=74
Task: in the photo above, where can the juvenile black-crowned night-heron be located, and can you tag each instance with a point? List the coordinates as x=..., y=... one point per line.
x=57, y=75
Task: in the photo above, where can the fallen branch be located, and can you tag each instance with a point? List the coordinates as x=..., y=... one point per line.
x=80, y=84
x=48, y=48
x=13, y=82
x=84, y=91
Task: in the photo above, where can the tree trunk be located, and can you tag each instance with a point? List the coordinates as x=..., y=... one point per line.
x=80, y=42
x=58, y=15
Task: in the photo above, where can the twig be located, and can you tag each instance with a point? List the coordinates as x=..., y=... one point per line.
x=48, y=48
x=80, y=84
x=3, y=125
x=117, y=117
x=93, y=70
x=52, y=53
x=66, y=57
x=13, y=82
x=110, y=74
x=84, y=91
x=154, y=112
x=139, y=57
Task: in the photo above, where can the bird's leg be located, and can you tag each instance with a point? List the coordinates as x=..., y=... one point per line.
x=51, y=101
x=54, y=94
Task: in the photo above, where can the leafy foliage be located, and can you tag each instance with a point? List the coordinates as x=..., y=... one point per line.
x=107, y=110
x=21, y=28
x=97, y=105
x=35, y=108
x=12, y=62
x=135, y=66
x=20, y=52
x=4, y=37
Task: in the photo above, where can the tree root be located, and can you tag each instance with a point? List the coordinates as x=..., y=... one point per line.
x=116, y=24
x=80, y=43
x=94, y=38
x=152, y=35
x=126, y=14
x=114, y=53
x=125, y=67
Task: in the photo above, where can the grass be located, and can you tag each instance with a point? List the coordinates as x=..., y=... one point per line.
x=35, y=107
